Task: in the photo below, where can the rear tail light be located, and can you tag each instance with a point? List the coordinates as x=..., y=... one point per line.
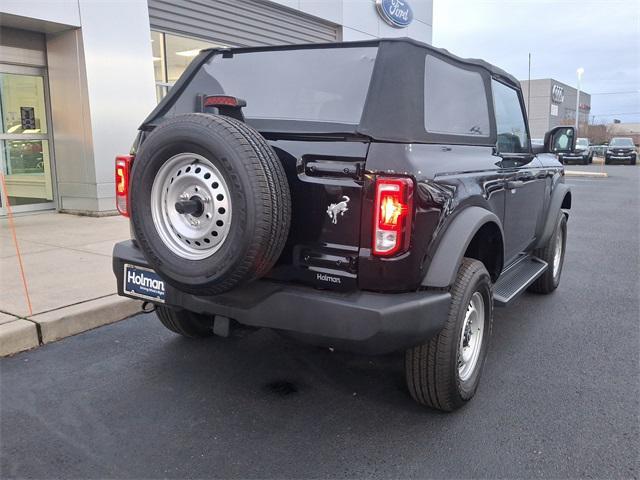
x=393, y=213
x=123, y=169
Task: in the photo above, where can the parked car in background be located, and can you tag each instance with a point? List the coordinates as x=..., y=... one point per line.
x=599, y=150
x=582, y=153
x=621, y=149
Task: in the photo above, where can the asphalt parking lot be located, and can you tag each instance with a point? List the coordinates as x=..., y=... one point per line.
x=559, y=395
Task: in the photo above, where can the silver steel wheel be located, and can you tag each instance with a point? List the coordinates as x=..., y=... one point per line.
x=471, y=337
x=557, y=254
x=191, y=178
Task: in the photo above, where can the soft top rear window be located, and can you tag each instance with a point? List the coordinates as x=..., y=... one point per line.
x=455, y=100
x=318, y=85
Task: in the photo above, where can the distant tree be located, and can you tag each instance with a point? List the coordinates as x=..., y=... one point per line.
x=598, y=134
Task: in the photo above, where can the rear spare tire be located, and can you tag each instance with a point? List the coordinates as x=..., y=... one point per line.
x=210, y=203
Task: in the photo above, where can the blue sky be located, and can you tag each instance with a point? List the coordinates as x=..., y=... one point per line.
x=603, y=37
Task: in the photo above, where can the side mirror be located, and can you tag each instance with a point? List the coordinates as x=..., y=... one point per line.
x=560, y=140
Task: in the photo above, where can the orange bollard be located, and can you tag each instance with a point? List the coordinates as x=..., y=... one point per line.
x=12, y=227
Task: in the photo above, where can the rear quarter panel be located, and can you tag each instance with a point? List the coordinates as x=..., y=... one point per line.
x=448, y=179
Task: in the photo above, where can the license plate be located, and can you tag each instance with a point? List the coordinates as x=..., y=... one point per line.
x=144, y=283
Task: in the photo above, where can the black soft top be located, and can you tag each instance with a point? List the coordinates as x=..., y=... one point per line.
x=496, y=71
x=397, y=117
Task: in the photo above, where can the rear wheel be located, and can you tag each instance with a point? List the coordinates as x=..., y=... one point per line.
x=553, y=254
x=444, y=373
x=185, y=323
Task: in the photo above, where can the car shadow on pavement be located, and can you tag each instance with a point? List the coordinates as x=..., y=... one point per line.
x=264, y=367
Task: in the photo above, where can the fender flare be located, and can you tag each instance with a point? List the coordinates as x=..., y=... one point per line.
x=555, y=205
x=448, y=256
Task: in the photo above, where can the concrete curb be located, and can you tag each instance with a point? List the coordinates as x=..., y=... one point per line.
x=18, y=334
x=84, y=316
x=578, y=173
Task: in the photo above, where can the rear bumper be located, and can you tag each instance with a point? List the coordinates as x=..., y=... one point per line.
x=360, y=321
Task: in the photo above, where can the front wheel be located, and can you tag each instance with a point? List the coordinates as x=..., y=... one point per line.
x=444, y=373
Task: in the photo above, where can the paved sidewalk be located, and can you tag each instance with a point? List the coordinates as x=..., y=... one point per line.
x=67, y=264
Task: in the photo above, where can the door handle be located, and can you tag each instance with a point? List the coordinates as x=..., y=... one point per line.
x=514, y=184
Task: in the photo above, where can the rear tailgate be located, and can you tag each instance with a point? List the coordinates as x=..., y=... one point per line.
x=326, y=181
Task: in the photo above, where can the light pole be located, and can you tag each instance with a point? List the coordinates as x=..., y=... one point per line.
x=580, y=71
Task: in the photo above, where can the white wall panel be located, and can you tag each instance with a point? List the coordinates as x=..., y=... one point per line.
x=58, y=11
x=361, y=15
x=351, y=35
x=421, y=32
x=119, y=68
x=330, y=10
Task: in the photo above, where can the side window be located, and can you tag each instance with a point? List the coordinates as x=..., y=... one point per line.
x=455, y=100
x=510, y=126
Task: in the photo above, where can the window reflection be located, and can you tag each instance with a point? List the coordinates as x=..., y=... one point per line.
x=171, y=56
x=25, y=156
x=27, y=171
x=22, y=104
x=159, y=64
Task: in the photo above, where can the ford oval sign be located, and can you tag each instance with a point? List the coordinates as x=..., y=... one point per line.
x=396, y=13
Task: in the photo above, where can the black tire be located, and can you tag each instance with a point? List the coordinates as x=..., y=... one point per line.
x=549, y=281
x=431, y=369
x=258, y=191
x=585, y=161
x=606, y=160
x=633, y=160
x=185, y=323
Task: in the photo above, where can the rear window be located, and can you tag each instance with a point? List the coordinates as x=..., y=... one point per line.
x=455, y=100
x=319, y=85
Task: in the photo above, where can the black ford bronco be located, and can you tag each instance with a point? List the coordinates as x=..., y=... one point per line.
x=374, y=196
x=621, y=149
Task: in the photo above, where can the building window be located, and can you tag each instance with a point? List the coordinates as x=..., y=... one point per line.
x=171, y=56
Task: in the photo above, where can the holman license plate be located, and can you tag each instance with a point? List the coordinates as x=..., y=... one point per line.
x=143, y=283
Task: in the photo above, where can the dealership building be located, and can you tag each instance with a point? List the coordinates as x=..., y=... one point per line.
x=77, y=77
x=551, y=103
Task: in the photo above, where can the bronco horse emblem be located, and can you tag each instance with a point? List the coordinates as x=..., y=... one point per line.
x=336, y=209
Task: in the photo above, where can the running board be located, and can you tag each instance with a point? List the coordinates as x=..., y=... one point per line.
x=516, y=279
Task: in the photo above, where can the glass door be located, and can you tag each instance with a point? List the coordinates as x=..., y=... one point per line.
x=25, y=140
